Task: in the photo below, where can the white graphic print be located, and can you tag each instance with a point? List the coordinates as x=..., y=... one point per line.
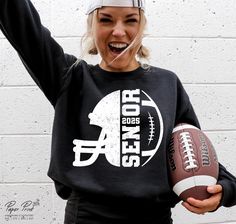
x=132, y=130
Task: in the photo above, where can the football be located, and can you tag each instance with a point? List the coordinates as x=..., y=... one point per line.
x=193, y=163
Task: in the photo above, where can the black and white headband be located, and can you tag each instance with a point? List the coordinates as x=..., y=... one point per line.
x=95, y=4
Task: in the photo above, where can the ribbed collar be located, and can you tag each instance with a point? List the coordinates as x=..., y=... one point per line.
x=119, y=75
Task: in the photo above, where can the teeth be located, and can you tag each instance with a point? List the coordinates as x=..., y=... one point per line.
x=118, y=45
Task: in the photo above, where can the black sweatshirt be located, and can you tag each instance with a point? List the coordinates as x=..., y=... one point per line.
x=111, y=129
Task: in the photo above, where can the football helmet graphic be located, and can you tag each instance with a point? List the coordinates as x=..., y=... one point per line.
x=131, y=130
x=106, y=115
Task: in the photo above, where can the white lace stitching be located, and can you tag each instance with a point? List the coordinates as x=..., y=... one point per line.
x=190, y=161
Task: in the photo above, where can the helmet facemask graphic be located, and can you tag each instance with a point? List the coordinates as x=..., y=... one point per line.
x=132, y=130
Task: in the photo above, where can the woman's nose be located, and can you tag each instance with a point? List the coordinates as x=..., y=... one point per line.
x=118, y=30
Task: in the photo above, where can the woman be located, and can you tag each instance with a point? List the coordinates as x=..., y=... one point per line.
x=113, y=121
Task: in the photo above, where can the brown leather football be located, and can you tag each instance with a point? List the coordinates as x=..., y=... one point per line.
x=193, y=163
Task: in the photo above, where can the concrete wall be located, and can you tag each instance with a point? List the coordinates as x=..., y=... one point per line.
x=195, y=39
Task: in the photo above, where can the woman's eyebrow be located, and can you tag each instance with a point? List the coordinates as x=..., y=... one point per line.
x=127, y=16
x=104, y=14
x=133, y=14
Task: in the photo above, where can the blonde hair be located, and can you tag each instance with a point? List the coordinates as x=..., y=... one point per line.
x=88, y=45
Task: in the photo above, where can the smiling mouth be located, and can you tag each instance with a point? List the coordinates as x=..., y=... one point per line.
x=117, y=48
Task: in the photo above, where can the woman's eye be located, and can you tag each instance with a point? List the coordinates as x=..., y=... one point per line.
x=105, y=20
x=132, y=20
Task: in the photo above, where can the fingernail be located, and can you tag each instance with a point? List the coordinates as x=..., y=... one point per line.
x=210, y=188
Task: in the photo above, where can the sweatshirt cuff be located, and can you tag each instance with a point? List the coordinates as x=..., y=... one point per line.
x=225, y=193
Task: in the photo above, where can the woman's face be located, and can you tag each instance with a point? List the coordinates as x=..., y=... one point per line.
x=116, y=28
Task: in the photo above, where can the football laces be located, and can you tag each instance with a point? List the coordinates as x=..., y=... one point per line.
x=190, y=161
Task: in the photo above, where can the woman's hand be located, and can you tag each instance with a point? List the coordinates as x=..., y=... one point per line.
x=207, y=205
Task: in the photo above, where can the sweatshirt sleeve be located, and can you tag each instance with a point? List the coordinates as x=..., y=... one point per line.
x=228, y=182
x=185, y=114
x=40, y=53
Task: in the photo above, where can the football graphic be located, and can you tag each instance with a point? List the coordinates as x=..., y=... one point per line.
x=193, y=163
x=131, y=130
